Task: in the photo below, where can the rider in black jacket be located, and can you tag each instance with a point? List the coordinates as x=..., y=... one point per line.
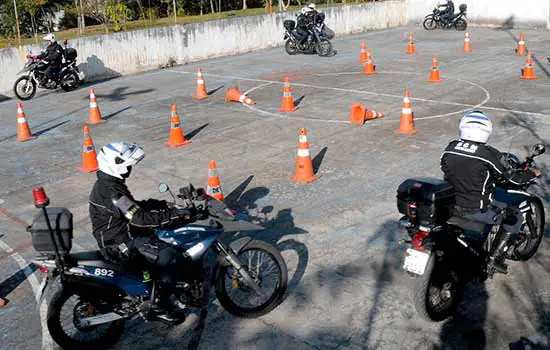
x=123, y=226
x=471, y=166
x=305, y=20
x=54, y=56
x=448, y=11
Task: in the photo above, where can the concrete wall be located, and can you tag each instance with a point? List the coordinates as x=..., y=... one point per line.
x=136, y=51
x=516, y=13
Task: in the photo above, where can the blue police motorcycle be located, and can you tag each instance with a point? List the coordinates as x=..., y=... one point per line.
x=97, y=297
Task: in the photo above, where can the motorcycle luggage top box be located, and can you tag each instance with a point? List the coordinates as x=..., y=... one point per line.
x=289, y=24
x=70, y=54
x=61, y=220
x=432, y=199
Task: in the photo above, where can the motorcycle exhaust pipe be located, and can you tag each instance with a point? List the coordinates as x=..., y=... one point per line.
x=97, y=320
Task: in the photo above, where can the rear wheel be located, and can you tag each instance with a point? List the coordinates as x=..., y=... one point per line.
x=429, y=24
x=24, y=88
x=70, y=81
x=461, y=24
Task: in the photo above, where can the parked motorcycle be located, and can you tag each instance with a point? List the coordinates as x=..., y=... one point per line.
x=69, y=76
x=97, y=297
x=447, y=252
x=316, y=42
x=434, y=21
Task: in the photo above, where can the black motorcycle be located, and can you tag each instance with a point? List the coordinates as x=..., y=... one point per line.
x=446, y=251
x=434, y=21
x=316, y=42
x=68, y=78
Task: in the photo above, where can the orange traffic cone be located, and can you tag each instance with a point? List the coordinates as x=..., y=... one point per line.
x=369, y=115
x=434, y=74
x=359, y=114
x=467, y=46
x=410, y=48
x=23, y=130
x=406, y=125
x=214, y=188
x=304, y=165
x=363, y=54
x=176, y=134
x=233, y=94
x=369, y=66
x=528, y=72
x=201, y=87
x=288, y=100
x=3, y=302
x=89, y=156
x=95, y=114
x=520, y=50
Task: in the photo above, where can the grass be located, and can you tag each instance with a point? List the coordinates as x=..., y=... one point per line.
x=161, y=22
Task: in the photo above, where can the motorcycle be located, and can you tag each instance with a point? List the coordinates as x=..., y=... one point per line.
x=445, y=252
x=458, y=21
x=68, y=78
x=106, y=294
x=315, y=42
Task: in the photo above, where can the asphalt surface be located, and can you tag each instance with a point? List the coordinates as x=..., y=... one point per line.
x=338, y=234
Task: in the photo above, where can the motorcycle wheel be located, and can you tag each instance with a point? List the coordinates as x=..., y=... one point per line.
x=324, y=47
x=429, y=24
x=427, y=292
x=535, y=224
x=30, y=90
x=461, y=24
x=247, y=256
x=290, y=47
x=110, y=332
x=69, y=82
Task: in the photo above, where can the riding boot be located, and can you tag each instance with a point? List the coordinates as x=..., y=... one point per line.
x=165, y=309
x=498, y=251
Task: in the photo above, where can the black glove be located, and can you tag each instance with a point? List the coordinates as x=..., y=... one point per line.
x=185, y=213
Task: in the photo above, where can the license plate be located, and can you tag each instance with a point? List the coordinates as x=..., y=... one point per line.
x=416, y=261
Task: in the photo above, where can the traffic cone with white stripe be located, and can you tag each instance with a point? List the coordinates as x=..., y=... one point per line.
x=214, y=188
x=520, y=49
x=411, y=50
x=369, y=65
x=201, y=87
x=528, y=72
x=363, y=54
x=359, y=114
x=95, y=114
x=434, y=74
x=233, y=94
x=406, y=125
x=288, y=100
x=304, y=165
x=23, y=130
x=467, y=46
x=176, y=133
x=89, y=156
x=370, y=115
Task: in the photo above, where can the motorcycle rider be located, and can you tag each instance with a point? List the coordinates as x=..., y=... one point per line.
x=471, y=166
x=54, y=56
x=448, y=11
x=123, y=226
x=305, y=20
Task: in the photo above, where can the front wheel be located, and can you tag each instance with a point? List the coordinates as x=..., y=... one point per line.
x=461, y=24
x=429, y=24
x=533, y=231
x=64, y=310
x=24, y=88
x=265, y=265
x=70, y=81
x=436, y=293
x=290, y=47
x=324, y=47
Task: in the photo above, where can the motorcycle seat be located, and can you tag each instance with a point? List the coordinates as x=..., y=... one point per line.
x=468, y=224
x=94, y=258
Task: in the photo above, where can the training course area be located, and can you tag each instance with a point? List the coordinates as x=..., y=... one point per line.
x=380, y=110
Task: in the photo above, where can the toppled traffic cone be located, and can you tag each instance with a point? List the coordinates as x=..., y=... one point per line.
x=369, y=65
x=201, y=87
x=304, y=165
x=95, y=114
x=467, y=46
x=434, y=74
x=23, y=130
x=233, y=94
x=406, y=125
x=89, y=156
x=359, y=114
x=176, y=133
x=520, y=49
x=363, y=54
x=528, y=72
x=214, y=188
x=288, y=100
x=410, y=48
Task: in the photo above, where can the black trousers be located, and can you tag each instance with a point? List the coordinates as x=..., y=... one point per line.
x=52, y=72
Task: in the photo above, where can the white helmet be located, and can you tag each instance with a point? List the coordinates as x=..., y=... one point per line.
x=476, y=127
x=305, y=10
x=49, y=37
x=311, y=6
x=116, y=158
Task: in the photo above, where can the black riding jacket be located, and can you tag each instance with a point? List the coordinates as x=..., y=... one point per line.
x=449, y=7
x=110, y=226
x=471, y=168
x=53, y=54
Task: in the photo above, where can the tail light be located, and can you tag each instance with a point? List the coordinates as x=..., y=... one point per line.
x=417, y=241
x=42, y=269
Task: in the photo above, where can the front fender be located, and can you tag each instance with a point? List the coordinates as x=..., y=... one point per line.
x=236, y=246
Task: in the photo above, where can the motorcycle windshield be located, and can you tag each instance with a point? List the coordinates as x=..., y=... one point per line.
x=27, y=67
